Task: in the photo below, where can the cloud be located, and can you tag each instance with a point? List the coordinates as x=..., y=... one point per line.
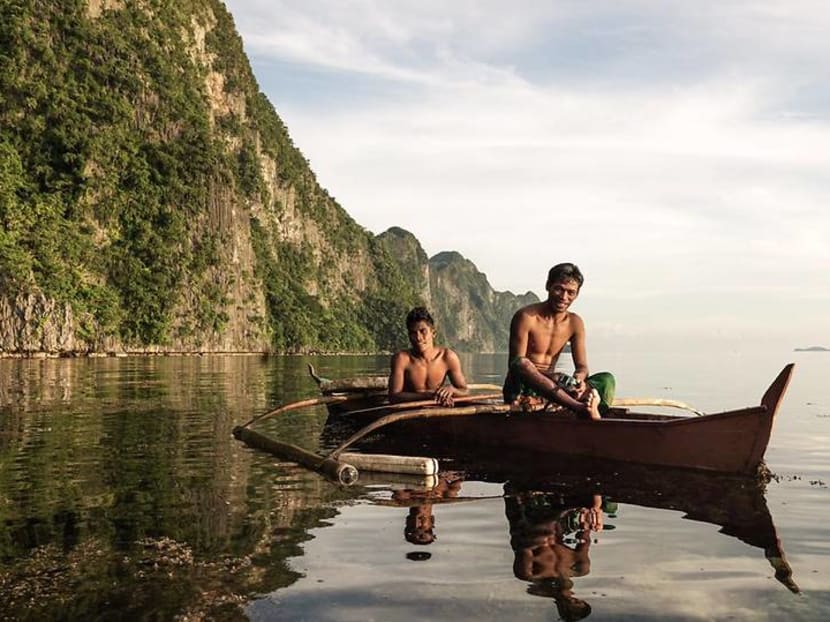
x=666, y=148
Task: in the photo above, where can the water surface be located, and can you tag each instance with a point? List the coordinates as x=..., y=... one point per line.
x=123, y=494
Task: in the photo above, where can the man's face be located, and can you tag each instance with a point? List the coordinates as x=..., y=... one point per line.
x=562, y=293
x=421, y=335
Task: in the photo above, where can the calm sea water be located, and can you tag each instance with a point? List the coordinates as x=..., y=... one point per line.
x=123, y=495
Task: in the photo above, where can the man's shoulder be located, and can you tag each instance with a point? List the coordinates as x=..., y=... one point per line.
x=530, y=310
x=402, y=357
x=574, y=317
x=448, y=354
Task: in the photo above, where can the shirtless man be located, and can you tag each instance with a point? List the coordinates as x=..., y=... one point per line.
x=419, y=373
x=538, y=333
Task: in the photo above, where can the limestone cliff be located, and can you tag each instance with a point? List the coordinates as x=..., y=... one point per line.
x=470, y=314
x=153, y=200
x=474, y=317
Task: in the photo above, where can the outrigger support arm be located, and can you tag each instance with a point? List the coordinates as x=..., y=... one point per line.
x=314, y=401
x=421, y=413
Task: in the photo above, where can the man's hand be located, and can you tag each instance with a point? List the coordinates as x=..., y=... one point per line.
x=444, y=396
x=591, y=519
x=579, y=388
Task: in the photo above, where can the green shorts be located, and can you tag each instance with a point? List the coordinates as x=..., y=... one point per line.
x=604, y=382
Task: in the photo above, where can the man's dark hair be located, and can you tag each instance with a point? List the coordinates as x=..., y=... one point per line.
x=565, y=272
x=419, y=534
x=419, y=314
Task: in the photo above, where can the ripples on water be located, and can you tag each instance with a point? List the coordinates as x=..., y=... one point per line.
x=123, y=494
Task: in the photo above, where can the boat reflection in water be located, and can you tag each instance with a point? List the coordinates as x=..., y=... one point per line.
x=552, y=519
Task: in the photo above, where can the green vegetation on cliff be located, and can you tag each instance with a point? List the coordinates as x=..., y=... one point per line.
x=108, y=156
x=150, y=187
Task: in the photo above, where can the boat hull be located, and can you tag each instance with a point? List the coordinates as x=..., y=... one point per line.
x=727, y=442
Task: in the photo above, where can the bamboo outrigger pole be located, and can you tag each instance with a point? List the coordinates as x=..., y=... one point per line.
x=425, y=403
x=329, y=466
x=654, y=401
x=342, y=469
x=314, y=401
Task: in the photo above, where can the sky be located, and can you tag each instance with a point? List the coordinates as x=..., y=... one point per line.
x=679, y=153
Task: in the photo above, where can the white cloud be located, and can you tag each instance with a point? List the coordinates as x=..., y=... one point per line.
x=686, y=155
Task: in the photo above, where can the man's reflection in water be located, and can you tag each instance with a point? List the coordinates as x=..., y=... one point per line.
x=420, y=525
x=550, y=536
x=420, y=522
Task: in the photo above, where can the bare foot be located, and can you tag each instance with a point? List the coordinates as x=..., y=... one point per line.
x=593, y=405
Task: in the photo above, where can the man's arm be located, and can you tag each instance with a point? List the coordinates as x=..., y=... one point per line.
x=396, y=369
x=458, y=384
x=579, y=352
x=456, y=376
x=518, y=336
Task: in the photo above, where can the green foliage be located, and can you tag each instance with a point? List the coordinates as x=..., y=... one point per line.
x=15, y=260
x=292, y=166
x=116, y=173
x=250, y=181
x=105, y=133
x=385, y=309
x=299, y=322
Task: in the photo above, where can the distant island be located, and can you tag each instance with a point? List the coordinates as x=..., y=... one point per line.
x=813, y=349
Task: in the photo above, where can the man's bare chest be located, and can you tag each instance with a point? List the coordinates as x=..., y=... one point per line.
x=550, y=338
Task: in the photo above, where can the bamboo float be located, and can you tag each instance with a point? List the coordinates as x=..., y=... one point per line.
x=387, y=463
x=342, y=470
x=399, y=481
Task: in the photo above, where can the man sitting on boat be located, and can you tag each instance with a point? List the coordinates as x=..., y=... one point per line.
x=538, y=334
x=420, y=372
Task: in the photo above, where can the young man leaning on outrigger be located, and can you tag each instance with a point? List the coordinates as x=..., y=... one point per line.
x=419, y=373
x=538, y=333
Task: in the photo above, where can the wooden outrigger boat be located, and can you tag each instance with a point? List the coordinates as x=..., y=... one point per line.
x=731, y=441
x=540, y=453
